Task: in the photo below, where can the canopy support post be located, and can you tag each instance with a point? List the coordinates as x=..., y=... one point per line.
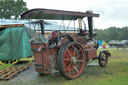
x=80, y=24
x=90, y=26
x=42, y=26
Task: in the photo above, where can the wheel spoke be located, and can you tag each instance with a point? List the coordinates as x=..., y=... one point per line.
x=78, y=53
x=79, y=60
x=69, y=70
x=69, y=52
x=67, y=67
x=74, y=51
x=67, y=59
x=103, y=62
x=103, y=58
x=76, y=69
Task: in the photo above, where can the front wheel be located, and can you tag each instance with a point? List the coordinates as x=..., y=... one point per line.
x=103, y=59
x=71, y=60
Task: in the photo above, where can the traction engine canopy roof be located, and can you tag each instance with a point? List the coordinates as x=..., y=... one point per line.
x=40, y=13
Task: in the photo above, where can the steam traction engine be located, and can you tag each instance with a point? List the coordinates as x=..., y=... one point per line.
x=69, y=52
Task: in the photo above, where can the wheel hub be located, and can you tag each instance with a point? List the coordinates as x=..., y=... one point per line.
x=74, y=60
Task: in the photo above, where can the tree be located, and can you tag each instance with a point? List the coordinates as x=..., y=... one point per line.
x=112, y=33
x=12, y=8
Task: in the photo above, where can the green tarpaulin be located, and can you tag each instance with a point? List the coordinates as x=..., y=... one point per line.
x=14, y=43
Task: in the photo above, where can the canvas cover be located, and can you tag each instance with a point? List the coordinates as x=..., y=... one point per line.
x=14, y=43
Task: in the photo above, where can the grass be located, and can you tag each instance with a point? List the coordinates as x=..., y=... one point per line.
x=2, y=67
x=116, y=73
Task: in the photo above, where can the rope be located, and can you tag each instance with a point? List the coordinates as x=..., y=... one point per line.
x=60, y=25
x=68, y=25
x=74, y=26
x=84, y=25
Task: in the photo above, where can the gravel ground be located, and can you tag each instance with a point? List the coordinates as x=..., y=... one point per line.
x=30, y=77
x=26, y=75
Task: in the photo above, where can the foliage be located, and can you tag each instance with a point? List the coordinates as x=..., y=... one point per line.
x=112, y=33
x=12, y=8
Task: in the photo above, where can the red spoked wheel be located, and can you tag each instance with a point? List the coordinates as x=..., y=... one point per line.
x=71, y=60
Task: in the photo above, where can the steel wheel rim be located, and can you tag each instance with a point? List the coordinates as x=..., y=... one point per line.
x=74, y=60
x=103, y=59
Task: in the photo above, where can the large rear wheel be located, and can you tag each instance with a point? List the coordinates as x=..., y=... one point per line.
x=71, y=60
